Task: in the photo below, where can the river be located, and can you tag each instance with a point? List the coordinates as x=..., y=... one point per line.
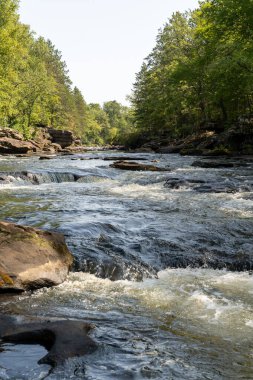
x=163, y=265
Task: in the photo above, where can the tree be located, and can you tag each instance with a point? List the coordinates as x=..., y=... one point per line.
x=200, y=70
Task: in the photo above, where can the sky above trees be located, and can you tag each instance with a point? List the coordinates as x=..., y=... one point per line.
x=103, y=42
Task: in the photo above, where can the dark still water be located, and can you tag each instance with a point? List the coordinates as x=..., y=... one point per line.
x=162, y=265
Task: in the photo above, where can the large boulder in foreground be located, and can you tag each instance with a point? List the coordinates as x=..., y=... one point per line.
x=31, y=258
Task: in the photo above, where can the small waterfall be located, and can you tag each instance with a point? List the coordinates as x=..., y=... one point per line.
x=55, y=177
x=37, y=178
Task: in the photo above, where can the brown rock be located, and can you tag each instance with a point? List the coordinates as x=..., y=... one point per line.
x=62, y=138
x=31, y=258
x=122, y=158
x=56, y=147
x=135, y=166
x=13, y=146
x=10, y=133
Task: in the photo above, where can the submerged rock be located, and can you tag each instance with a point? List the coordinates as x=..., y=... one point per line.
x=63, y=339
x=177, y=183
x=31, y=258
x=202, y=186
x=218, y=164
x=135, y=166
x=48, y=157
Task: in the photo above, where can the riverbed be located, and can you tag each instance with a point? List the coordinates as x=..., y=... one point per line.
x=163, y=265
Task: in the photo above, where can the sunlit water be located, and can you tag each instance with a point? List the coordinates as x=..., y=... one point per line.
x=186, y=319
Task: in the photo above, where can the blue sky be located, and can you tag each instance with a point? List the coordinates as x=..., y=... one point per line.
x=103, y=42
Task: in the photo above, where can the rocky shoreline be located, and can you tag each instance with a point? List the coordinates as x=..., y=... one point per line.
x=47, y=142
x=237, y=140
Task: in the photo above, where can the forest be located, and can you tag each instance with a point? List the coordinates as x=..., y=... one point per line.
x=36, y=90
x=200, y=73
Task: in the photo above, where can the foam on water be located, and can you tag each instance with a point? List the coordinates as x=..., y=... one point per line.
x=187, y=324
x=239, y=206
x=205, y=301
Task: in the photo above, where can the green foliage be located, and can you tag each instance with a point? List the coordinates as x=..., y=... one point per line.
x=35, y=88
x=120, y=122
x=201, y=70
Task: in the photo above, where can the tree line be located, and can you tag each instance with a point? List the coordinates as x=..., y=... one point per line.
x=35, y=88
x=199, y=73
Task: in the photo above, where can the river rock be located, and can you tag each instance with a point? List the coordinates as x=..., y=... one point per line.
x=122, y=158
x=177, y=183
x=47, y=157
x=10, y=133
x=218, y=164
x=63, y=338
x=31, y=258
x=135, y=166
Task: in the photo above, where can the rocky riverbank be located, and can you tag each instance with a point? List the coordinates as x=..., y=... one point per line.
x=237, y=140
x=47, y=140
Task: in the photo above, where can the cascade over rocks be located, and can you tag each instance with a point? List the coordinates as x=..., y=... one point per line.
x=39, y=178
x=31, y=258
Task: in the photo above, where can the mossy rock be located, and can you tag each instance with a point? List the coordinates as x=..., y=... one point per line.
x=31, y=258
x=5, y=279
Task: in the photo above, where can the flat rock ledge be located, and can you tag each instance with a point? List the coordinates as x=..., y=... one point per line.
x=31, y=258
x=62, y=339
x=135, y=166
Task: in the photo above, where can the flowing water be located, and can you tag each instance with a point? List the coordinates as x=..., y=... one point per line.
x=163, y=265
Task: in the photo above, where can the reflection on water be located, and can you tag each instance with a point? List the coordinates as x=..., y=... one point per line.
x=184, y=323
x=20, y=362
